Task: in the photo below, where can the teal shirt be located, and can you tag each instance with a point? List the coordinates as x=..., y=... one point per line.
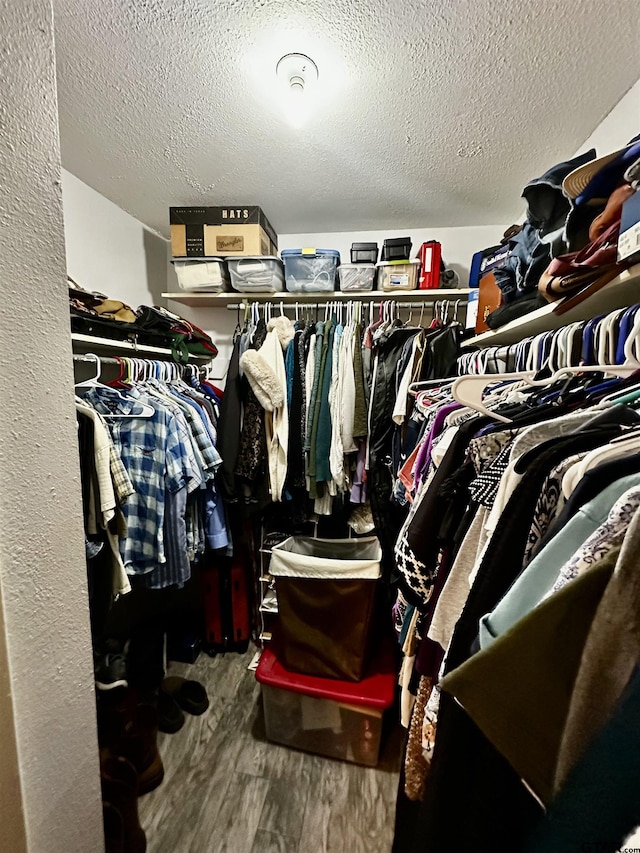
x=540, y=575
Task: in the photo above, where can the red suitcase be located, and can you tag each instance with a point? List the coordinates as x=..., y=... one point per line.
x=226, y=605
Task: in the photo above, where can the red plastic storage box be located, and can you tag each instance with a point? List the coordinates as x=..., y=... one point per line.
x=339, y=719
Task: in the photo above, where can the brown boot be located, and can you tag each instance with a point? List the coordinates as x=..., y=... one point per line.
x=113, y=829
x=140, y=746
x=130, y=729
x=120, y=789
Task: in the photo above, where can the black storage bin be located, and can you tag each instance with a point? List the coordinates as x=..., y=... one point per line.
x=364, y=253
x=396, y=249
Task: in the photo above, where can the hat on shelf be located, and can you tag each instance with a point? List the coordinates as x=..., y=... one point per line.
x=596, y=180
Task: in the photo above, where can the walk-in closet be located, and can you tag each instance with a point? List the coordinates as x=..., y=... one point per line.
x=319, y=427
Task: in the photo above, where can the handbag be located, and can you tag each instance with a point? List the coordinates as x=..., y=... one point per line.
x=568, y=273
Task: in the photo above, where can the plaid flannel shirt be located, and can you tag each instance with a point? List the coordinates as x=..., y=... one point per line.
x=155, y=457
x=203, y=439
x=122, y=485
x=121, y=480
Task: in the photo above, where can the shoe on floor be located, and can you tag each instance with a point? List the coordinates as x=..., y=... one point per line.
x=131, y=731
x=190, y=695
x=110, y=671
x=119, y=781
x=113, y=829
x=170, y=716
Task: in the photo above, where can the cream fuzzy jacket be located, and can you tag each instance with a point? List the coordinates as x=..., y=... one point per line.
x=264, y=368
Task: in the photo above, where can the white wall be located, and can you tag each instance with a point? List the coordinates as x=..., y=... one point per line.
x=49, y=665
x=621, y=125
x=108, y=250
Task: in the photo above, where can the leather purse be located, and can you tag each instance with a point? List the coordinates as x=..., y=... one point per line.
x=490, y=298
x=569, y=273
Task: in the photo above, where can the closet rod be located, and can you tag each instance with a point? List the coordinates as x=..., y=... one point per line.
x=400, y=305
x=105, y=359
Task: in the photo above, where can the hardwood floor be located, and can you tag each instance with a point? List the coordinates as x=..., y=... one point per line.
x=228, y=790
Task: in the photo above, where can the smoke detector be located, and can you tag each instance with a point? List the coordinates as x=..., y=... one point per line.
x=298, y=76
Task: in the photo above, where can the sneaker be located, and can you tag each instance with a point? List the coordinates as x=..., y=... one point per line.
x=110, y=671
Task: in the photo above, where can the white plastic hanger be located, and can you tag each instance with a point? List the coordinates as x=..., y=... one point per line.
x=428, y=384
x=469, y=391
x=146, y=410
x=93, y=380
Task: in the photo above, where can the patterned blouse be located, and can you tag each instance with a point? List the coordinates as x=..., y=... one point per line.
x=607, y=538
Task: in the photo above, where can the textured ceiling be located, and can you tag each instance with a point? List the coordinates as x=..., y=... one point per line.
x=427, y=112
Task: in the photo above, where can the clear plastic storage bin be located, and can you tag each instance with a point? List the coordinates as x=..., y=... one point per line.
x=257, y=274
x=398, y=276
x=356, y=278
x=327, y=717
x=310, y=270
x=209, y=274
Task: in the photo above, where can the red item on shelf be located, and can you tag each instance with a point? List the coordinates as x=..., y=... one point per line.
x=430, y=256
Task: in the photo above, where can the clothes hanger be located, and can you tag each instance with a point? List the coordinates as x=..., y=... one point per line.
x=425, y=398
x=625, y=327
x=469, y=391
x=92, y=382
x=146, y=410
x=119, y=381
x=628, y=351
x=416, y=387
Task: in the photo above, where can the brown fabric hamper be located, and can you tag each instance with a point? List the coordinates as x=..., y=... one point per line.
x=326, y=600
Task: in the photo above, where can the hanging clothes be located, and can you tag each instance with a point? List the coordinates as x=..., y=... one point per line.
x=513, y=555
x=163, y=464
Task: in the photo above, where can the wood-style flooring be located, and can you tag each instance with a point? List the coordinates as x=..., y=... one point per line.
x=228, y=790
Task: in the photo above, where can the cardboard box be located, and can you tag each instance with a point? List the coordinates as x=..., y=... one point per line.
x=213, y=232
x=629, y=239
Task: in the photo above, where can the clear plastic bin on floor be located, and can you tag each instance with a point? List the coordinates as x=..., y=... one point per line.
x=324, y=716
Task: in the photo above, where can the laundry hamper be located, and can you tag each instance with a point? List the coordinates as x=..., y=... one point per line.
x=326, y=602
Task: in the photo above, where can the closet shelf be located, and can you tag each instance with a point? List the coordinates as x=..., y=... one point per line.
x=88, y=343
x=214, y=300
x=621, y=291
